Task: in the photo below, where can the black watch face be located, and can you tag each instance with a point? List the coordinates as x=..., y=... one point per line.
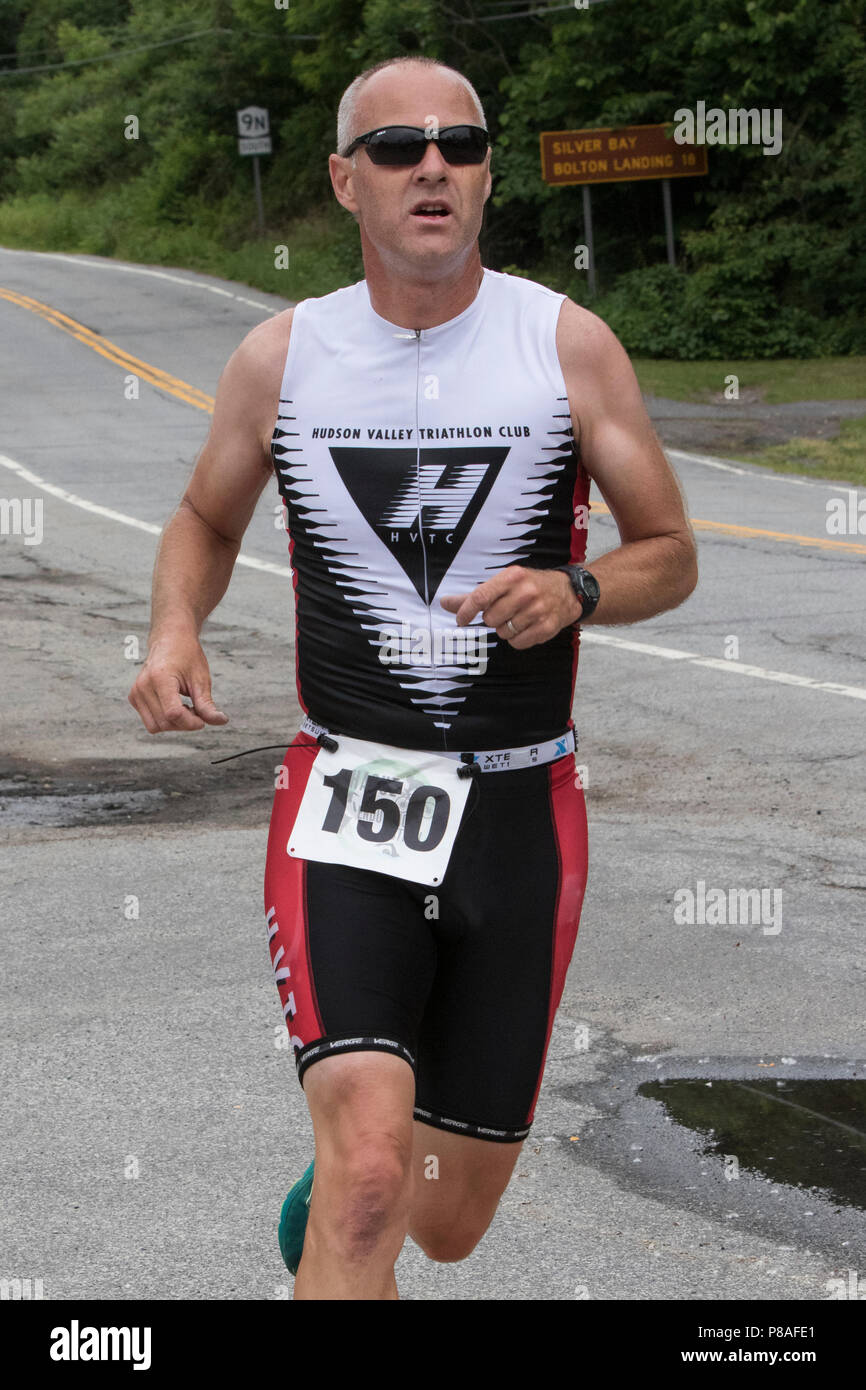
x=590, y=585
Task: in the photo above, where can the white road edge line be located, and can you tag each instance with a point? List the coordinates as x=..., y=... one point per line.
x=744, y=471
x=142, y=270
x=854, y=692
x=707, y=460
x=717, y=663
x=74, y=500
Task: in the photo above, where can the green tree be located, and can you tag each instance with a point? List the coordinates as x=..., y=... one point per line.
x=769, y=247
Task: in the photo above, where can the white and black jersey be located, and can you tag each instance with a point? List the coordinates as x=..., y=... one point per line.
x=413, y=465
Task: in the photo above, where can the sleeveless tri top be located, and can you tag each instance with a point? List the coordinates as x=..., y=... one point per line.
x=415, y=464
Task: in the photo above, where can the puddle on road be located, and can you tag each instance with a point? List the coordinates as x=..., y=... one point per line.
x=807, y=1134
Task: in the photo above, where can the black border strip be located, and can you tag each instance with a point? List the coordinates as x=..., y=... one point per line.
x=349, y=1042
x=474, y=1131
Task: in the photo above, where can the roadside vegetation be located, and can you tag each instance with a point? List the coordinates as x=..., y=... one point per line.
x=118, y=138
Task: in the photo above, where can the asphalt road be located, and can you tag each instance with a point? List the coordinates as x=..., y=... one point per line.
x=152, y=1121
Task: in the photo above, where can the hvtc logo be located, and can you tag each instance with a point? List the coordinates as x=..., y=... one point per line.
x=421, y=502
x=443, y=492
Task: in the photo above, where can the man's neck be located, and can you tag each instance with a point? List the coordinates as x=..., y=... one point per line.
x=422, y=303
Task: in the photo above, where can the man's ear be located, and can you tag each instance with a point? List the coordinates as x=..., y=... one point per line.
x=341, y=171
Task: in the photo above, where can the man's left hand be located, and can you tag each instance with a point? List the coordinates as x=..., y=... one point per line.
x=525, y=606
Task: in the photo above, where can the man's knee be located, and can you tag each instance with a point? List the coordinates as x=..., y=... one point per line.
x=361, y=1196
x=370, y=1191
x=362, y=1112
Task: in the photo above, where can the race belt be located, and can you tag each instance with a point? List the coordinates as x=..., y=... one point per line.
x=394, y=810
x=493, y=759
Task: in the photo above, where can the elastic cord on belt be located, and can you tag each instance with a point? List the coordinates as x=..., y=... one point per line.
x=469, y=764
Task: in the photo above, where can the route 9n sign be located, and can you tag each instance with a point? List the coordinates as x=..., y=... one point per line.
x=253, y=121
x=253, y=131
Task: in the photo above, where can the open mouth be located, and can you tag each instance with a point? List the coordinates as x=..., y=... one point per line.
x=431, y=212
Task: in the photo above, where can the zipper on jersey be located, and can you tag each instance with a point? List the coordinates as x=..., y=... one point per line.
x=427, y=597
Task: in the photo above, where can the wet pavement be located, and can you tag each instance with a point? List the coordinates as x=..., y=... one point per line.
x=817, y=1143
x=775, y=1145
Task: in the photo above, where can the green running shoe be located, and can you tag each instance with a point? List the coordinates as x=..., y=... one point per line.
x=293, y=1221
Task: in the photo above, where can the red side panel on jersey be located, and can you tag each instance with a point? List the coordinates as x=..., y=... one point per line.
x=577, y=550
x=301, y=701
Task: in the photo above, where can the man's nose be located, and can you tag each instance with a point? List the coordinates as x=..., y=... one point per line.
x=432, y=165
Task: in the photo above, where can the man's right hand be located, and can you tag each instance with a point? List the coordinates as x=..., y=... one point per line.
x=175, y=667
x=201, y=541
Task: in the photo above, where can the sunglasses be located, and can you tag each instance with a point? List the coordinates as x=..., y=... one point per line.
x=401, y=146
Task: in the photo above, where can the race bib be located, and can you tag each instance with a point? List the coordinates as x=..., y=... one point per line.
x=376, y=807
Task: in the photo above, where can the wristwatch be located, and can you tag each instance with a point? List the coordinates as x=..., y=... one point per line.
x=585, y=586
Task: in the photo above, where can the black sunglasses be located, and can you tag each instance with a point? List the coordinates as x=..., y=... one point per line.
x=405, y=145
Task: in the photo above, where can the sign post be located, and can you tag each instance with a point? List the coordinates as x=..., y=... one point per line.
x=619, y=155
x=254, y=139
x=587, y=231
x=669, y=221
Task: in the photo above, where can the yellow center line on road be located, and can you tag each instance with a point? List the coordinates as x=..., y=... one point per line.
x=164, y=380
x=728, y=528
x=191, y=395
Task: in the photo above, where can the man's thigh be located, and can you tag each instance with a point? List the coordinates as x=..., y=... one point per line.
x=352, y=952
x=456, y=1170
x=508, y=920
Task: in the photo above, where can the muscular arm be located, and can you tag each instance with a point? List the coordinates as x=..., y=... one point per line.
x=200, y=543
x=655, y=566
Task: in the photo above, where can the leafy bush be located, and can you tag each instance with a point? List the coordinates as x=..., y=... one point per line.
x=770, y=248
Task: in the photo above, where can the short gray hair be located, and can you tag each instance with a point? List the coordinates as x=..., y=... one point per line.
x=349, y=99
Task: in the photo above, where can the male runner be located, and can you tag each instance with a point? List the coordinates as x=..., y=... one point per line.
x=434, y=430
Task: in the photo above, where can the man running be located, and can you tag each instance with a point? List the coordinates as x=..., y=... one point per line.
x=434, y=430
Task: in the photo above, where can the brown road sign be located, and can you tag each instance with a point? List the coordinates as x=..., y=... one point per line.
x=618, y=155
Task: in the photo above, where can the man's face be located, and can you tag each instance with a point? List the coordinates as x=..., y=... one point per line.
x=387, y=201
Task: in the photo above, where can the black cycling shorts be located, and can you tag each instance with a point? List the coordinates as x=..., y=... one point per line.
x=463, y=982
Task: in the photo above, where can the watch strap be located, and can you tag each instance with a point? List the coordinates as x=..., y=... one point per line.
x=575, y=574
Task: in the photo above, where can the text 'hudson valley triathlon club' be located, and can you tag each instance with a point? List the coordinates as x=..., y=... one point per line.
x=441, y=432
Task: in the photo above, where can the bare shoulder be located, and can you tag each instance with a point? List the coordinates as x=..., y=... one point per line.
x=262, y=353
x=249, y=385
x=586, y=344
x=599, y=378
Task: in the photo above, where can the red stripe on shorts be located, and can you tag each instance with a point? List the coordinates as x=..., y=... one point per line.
x=568, y=818
x=286, y=901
